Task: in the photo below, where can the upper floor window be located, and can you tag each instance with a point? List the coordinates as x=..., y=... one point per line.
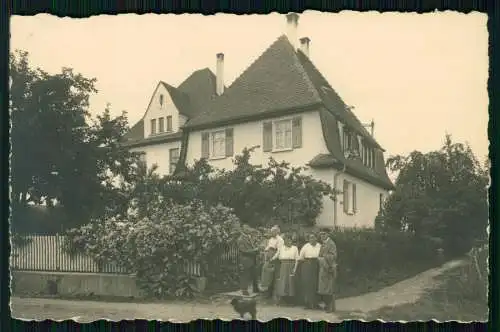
x=217, y=144
x=169, y=123
x=282, y=135
x=350, y=196
x=161, y=100
x=173, y=159
x=161, y=125
x=153, y=126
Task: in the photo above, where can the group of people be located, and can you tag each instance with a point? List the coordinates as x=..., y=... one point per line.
x=289, y=275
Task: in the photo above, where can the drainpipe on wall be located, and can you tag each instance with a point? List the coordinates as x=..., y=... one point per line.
x=335, y=187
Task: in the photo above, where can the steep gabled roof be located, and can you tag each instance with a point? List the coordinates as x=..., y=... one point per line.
x=180, y=100
x=276, y=80
x=190, y=97
x=200, y=87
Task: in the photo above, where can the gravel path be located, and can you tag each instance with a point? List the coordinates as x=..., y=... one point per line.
x=407, y=291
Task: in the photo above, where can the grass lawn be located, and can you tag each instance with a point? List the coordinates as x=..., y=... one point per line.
x=461, y=296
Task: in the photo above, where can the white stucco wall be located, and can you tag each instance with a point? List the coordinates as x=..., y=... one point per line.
x=155, y=111
x=367, y=203
x=158, y=154
x=250, y=134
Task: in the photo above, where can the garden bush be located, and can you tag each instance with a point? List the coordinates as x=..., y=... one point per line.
x=159, y=247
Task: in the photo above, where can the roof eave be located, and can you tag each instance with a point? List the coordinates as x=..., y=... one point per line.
x=252, y=117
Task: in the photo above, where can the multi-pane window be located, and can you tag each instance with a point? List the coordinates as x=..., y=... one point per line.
x=283, y=135
x=173, y=159
x=218, y=144
x=350, y=197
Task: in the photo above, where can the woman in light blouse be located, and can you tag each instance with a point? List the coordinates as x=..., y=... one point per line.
x=287, y=255
x=308, y=259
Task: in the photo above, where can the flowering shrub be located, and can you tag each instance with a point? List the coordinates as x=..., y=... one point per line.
x=159, y=247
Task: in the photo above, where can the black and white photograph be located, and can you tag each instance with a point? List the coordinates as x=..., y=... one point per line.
x=313, y=165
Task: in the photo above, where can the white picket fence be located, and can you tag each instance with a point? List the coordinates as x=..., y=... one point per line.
x=45, y=253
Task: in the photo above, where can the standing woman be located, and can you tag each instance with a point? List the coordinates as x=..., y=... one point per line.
x=287, y=255
x=308, y=259
x=270, y=267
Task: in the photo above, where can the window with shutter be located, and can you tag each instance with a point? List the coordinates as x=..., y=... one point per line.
x=205, y=145
x=297, y=132
x=229, y=142
x=174, y=158
x=282, y=135
x=267, y=139
x=218, y=144
x=346, y=196
x=354, y=206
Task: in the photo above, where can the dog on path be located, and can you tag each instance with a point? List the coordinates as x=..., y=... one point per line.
x=245, y=306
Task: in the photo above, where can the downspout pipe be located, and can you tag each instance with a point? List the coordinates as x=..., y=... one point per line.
x=335, y=188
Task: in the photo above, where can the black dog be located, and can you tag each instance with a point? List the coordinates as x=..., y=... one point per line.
x=243, y=306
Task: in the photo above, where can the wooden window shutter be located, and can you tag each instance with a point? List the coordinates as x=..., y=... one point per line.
x=346, y=196
x=297, y=132
x=354, y=207
x=205, y=146
x=267, y=139
x=229, y=142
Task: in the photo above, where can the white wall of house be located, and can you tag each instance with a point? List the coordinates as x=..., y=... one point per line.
x=251, y=134
x=367, y=203
x=161, y=106
x=158, y=154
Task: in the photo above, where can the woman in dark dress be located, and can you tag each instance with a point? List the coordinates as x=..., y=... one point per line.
x=309, y=269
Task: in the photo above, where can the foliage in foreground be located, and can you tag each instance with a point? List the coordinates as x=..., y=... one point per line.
x=158, y=248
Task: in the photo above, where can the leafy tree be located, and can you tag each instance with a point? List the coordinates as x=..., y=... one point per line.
x=440, y=195
x=59, y=153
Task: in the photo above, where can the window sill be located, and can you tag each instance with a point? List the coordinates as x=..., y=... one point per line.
x=282, y=150
x=217, y=158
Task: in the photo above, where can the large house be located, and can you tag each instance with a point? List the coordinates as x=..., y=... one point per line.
x=280, y=103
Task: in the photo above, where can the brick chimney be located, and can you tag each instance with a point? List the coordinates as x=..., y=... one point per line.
x=292, y=23
x=304, y=45
x=220, y=74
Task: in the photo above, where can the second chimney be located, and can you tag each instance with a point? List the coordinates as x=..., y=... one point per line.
x=304, y=45
x=220, y=74
x=292, y=23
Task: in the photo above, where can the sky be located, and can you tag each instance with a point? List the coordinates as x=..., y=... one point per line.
x=418, y=76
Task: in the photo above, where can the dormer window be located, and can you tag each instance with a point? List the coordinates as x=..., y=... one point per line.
x=161, y=100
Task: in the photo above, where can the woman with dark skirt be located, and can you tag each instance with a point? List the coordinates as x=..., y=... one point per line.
x=309, y=269
x=287, y=256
